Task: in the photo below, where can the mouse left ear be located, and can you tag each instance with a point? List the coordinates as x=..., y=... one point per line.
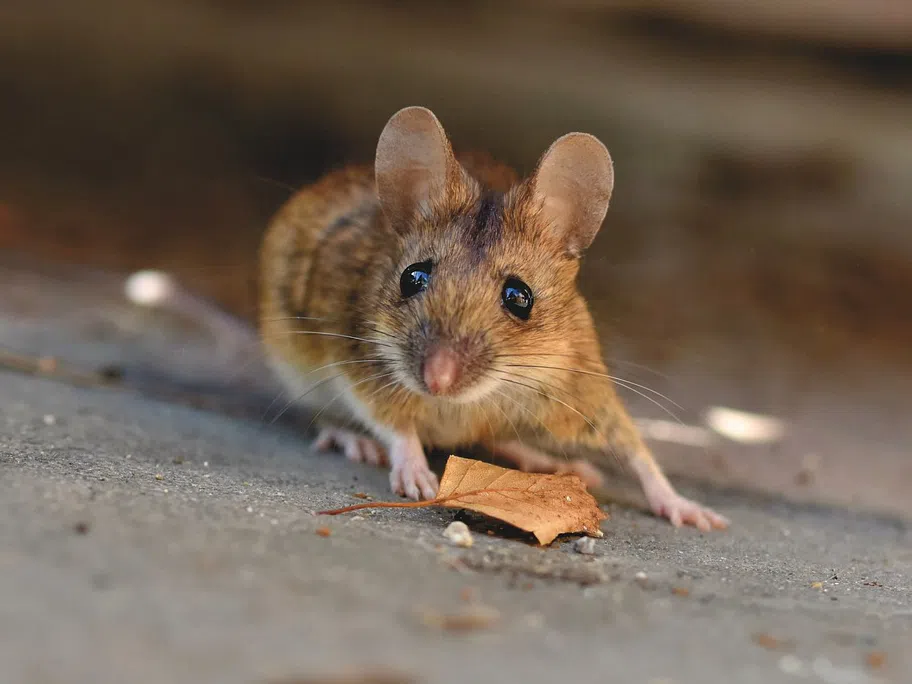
x=573, y=184
x=414, y=166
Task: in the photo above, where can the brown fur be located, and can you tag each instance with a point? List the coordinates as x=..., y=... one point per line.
x=448, y=363
x=331, y=254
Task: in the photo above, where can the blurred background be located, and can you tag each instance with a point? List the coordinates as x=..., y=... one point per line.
x=757, y=254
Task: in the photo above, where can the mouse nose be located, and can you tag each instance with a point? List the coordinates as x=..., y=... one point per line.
x=441, y=369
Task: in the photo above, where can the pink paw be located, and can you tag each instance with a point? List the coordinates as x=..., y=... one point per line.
x=414, y=479
x=356, y=447
x=667, y=503
x=588, y=473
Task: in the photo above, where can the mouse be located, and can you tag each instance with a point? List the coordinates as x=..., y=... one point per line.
x=430, y=301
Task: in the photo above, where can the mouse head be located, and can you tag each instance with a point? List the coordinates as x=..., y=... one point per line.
x=482, y=279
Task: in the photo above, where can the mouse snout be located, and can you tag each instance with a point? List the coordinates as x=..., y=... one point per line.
x=441, y=369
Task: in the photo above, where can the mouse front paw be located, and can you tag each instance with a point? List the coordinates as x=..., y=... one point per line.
x=410, y=474
x=414, y=480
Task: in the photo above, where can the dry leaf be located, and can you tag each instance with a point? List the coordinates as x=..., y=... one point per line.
x=545, y=505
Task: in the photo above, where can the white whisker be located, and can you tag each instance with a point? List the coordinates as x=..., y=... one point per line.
x=553, y=398
x=340, y=394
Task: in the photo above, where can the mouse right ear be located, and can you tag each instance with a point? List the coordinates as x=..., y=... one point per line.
x=414, y=165
x=573, y=183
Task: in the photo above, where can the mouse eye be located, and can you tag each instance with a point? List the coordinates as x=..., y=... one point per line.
x=415, y=279
x=517, y=298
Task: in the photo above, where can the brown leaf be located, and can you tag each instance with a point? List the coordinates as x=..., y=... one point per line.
x=545, y=505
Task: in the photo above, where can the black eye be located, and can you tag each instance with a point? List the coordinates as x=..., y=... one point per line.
x=517, y=298
x=415, y=279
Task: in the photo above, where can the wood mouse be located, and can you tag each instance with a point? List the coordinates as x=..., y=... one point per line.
x=431, y=301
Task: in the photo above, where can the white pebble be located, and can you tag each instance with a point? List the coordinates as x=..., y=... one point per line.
x=458, y=534
x=49, y=419
x=791, y=664
x=585, y=546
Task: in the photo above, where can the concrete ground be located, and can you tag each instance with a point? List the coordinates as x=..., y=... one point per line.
x=142, y=540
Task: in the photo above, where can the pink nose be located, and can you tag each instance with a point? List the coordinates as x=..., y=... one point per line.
x=441, y=369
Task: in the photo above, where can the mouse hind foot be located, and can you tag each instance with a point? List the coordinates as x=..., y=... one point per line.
x=355, y=446
x=532, y=460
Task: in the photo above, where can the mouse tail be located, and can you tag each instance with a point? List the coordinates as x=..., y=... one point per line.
x=157, y=289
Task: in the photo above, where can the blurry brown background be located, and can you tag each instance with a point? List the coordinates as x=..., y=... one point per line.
x=758, y=252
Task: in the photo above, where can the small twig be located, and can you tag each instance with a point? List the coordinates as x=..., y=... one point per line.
x=417, y=504
x=51, y=368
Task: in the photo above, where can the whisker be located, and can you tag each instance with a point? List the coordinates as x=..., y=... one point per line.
x=488, y=421
x=348, y=337
x=273, y=319
x=381, y=388
x=600, y=375
x=610, y=362
x=668, y=411
x=553, y=398
x=355, y=384
x=279, y=184
x=505, y=415
x=298, y=398
x=311, y=372
x=621, y=381
x=370, y=326
x=531, y=413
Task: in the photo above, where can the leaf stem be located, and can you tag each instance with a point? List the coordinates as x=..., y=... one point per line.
x=417, y=504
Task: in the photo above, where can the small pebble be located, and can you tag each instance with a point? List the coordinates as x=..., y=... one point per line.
x=47, y=364
x=159, y=476
x=458, y=534
x=585, y=546
x=250, y=509
x=791, y=665
x=473, y=617
x=534, y=620
x=49, y=419
x=876, y=659
x=323, y=531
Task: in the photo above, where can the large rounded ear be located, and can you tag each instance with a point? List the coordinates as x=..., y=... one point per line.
x=573, y=184
x=414, y=164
